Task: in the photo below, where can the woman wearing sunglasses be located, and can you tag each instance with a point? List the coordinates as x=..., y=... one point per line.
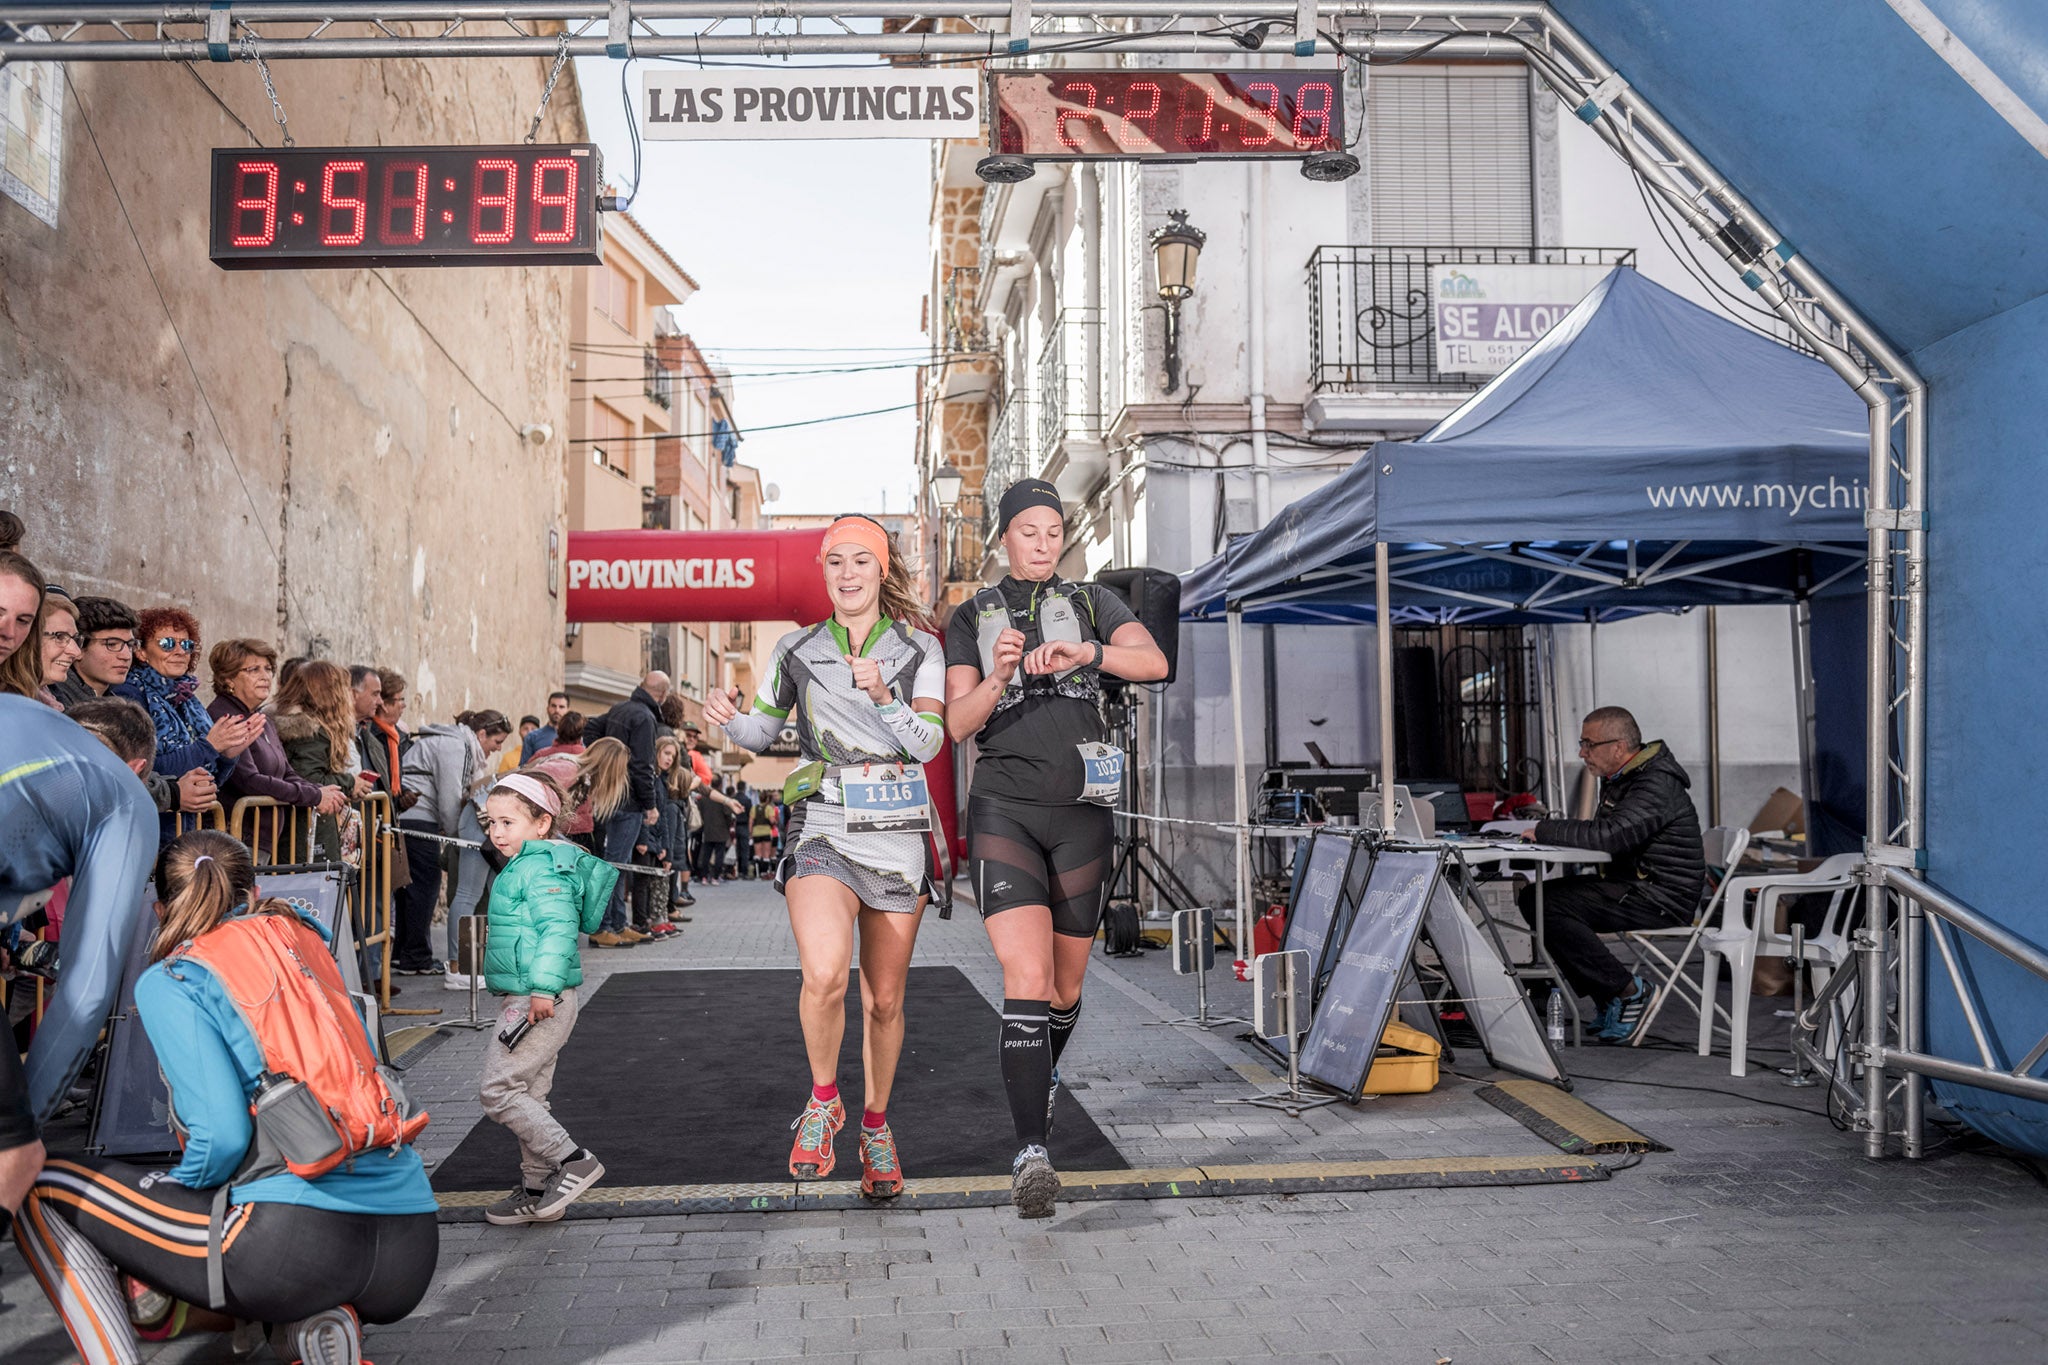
x=165, y=682
x=862, y=690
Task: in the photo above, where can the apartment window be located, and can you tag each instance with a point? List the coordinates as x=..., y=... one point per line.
x=610, y=447
x=1450, y=156
x=615, y=294
x=694, y=664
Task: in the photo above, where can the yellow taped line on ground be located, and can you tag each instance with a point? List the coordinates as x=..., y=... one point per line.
x=1155, y=1182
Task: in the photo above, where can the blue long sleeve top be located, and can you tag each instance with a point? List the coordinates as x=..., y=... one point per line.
x=211, y=1062
x=69, y=808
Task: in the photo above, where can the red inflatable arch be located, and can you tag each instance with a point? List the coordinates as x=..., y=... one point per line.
x=716, y=576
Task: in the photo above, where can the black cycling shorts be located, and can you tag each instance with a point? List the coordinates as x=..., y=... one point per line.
x=17, y=1119
x=281, y=1262
x=1056, y=856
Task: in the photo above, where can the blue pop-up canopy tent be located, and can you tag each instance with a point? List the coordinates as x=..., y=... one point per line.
x=1646, y=454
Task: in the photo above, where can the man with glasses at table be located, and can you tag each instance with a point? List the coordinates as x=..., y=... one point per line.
x=106, y=639
x=1647, y=826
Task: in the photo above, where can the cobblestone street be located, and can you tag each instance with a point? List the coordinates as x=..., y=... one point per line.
x=1764, y=1236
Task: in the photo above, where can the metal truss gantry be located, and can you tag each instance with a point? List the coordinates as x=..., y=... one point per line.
x=1031, y=32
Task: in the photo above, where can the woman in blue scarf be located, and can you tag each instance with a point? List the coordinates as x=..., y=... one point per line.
x=165, y=683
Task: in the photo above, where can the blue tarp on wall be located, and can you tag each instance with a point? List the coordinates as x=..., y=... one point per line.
x=1923, y=206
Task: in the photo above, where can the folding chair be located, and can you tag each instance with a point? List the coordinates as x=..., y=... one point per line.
x=1724, y=846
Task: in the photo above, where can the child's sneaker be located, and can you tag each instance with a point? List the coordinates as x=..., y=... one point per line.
x=520, y=1206
x=812, y=1158
x=571, y=1179
x=881, y=1174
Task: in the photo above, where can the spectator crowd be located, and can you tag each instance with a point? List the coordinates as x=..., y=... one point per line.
x=305, y=741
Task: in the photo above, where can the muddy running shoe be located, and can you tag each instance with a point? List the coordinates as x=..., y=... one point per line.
x=333, y=1337
x=520, y=1206
x=812, y=1158
x=881, y=1175
x=1034, y=1184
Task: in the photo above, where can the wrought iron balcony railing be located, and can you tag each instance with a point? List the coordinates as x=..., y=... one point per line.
x=963, y=329
x=1010, y=455
x=661, y=381
x=1372, y=321
x=1067, y=399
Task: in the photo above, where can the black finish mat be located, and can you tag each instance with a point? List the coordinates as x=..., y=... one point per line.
x=692, y=1078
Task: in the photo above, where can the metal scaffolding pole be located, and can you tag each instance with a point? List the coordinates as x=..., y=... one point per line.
x=1590, y=87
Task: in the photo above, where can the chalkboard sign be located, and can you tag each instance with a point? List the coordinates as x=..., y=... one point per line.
x=133, y=1113
x=1365, y=979
x=1331, y=872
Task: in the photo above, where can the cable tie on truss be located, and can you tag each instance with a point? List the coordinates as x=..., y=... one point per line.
x=1604, y=94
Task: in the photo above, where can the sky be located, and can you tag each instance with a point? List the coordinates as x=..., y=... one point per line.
x=807, y=255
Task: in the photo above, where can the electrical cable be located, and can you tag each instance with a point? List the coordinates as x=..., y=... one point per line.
x=1700, y=1089
x=260, y=520
x=633, y=129
x=752, y=430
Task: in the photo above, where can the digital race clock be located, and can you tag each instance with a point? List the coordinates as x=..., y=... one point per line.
x=1143, y=114
x=297, y=207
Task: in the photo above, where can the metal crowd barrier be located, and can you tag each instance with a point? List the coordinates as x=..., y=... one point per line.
x=281, y=834
x=187, y=821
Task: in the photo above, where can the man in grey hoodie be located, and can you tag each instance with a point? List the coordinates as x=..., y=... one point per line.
x=440, y=766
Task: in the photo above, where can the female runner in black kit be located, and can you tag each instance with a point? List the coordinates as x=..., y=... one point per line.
x=1041, y=853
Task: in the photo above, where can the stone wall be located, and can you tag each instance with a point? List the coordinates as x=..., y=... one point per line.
x=327, y=459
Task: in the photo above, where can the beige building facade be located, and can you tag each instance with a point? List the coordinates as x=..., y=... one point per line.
x=331, y=460
x=623, y=406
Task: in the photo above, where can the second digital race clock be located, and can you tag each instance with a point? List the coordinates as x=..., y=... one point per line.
x=1143, y=114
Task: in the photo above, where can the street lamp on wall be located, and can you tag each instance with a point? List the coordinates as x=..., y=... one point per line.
x=946, y=482
x=1175, y=250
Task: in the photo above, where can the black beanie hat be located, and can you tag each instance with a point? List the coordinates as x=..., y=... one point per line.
x=1026, y=493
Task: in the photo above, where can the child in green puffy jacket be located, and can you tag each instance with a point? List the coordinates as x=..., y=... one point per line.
x=547, y=893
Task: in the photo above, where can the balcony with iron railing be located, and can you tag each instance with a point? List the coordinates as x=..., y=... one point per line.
x=963, y=540
x=963, y=329
x=1011, y=455
x=660, y=382
x=739, y=637
x=1372, y=316
x=1068, y=406
x=656, y=651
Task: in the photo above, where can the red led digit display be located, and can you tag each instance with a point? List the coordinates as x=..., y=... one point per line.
x=1067, y=114
x=309, y=207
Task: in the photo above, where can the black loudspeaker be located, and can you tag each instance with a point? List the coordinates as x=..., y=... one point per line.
x=1154, y=596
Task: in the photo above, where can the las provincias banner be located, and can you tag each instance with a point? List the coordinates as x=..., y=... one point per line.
x=747, y=105
x=696, y=576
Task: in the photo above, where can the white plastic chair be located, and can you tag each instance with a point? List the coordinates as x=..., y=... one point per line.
x=1723, y=846
x=1746, y=934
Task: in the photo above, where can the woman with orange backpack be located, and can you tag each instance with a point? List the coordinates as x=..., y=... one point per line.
x=310, y=1217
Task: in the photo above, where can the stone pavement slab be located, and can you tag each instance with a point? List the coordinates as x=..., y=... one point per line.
x=1764, y=1234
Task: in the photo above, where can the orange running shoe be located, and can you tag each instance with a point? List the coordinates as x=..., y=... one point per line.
x=881, y=1174
x=812, y=1157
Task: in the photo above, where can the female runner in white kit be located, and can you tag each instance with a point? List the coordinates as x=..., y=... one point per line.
x=863, y=690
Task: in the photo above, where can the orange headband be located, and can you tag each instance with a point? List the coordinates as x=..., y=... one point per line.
x=861, y=532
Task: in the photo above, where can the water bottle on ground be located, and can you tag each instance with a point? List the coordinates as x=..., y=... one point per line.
x=1553, y=1017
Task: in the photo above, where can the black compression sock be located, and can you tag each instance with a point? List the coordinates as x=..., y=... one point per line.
x=1027, y=1066
x=1062, y=1022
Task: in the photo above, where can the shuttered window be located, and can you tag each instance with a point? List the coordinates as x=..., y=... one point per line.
x=1450, y=156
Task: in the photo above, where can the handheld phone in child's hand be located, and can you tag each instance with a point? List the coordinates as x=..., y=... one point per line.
x=515, y=1035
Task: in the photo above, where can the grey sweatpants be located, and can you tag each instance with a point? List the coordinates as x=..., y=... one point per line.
x=516, y=1084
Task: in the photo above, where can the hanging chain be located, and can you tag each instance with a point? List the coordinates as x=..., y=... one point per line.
x=250, y=53
x=547, y=92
